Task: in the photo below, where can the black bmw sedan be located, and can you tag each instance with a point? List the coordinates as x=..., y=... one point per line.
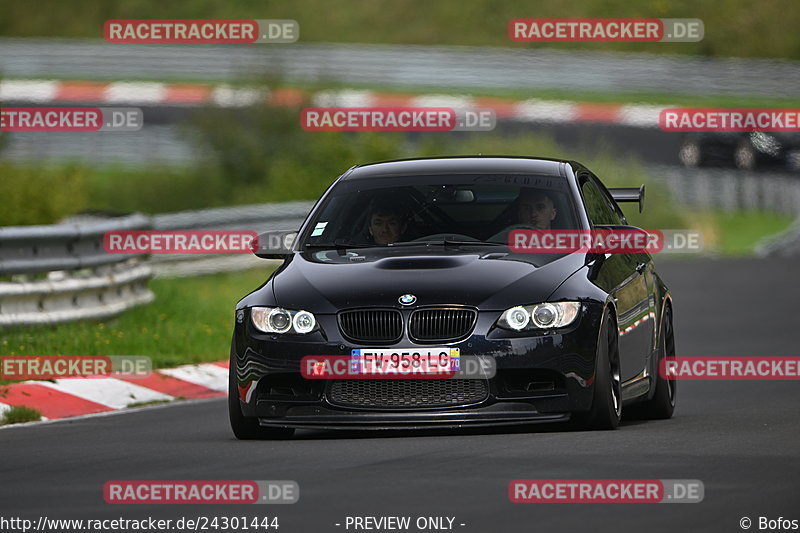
x=409, y=261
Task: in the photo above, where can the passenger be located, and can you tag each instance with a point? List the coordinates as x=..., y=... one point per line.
x=387, y=220
x=535, y=208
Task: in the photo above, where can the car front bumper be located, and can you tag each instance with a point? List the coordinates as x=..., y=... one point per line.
x=541, y=377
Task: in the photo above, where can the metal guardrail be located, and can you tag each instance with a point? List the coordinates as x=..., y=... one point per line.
x=785, y=244
x=106, y=292
x=736, y=190
x=258, y=218
x=61, y=273
x=730, y=189
x=81, y=280
x=35, y=249
x=517, y=66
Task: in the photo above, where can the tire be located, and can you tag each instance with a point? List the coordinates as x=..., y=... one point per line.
x=606, y=410
x=745, y=157
x=247, y=428
x=662, y=404
x=691, y=154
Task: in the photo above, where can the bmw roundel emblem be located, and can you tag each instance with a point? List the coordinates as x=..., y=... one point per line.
x=407, y=299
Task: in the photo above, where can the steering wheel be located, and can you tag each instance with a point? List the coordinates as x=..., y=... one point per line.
x=447, y=236
x=503, y=234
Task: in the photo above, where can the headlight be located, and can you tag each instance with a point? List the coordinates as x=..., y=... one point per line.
x=544, y=315
x=304, y=322
x=539, y=316
x=517, y=318
x=279, y=320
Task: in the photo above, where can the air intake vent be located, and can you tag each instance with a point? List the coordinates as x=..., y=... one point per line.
x=441, y=324
x=365, y=326
x=407, y=393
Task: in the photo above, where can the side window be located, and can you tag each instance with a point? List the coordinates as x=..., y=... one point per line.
x=597, y=205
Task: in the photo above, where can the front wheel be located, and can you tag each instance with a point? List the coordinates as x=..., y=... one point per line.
x=606, y=410
x=247, y=428
x=745, y=157
x=691, y=154
x=662, y=404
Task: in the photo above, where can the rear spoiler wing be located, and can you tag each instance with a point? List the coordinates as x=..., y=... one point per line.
x=629, y=194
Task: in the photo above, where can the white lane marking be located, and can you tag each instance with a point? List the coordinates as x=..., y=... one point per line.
x=228, y=96
x=344, y=98
x=28, y=90
x=206, y=375
x=545, y=111
x=107, y=391
x=135, y=93
x=43, y=91
x=640, y=115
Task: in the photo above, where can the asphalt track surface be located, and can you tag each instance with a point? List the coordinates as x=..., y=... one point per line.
x=739, y=438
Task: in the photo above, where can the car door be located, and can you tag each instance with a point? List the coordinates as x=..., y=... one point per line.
x=625, y=276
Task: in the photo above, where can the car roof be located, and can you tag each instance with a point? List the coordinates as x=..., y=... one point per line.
x=459, y=165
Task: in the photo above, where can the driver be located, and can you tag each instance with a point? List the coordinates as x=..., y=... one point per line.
x=387, y=220
x=535, y=208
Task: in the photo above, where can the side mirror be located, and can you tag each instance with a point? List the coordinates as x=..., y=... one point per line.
x=638, y=240
x=629, y=194
x=274, y=244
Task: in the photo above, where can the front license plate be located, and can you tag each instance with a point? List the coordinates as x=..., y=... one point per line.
x=405, y=361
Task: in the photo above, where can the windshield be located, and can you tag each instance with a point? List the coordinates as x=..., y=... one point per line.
x=477, y=209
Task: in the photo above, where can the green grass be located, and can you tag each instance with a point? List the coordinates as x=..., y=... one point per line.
x=732, y=27
x=737, y=234
x=191, y=321
x=147, y=404
x=20, y=414
x=22, y=186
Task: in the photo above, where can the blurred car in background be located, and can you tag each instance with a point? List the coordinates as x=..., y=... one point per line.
x=747, y=151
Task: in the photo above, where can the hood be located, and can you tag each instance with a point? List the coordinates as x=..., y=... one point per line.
x=327, y=281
